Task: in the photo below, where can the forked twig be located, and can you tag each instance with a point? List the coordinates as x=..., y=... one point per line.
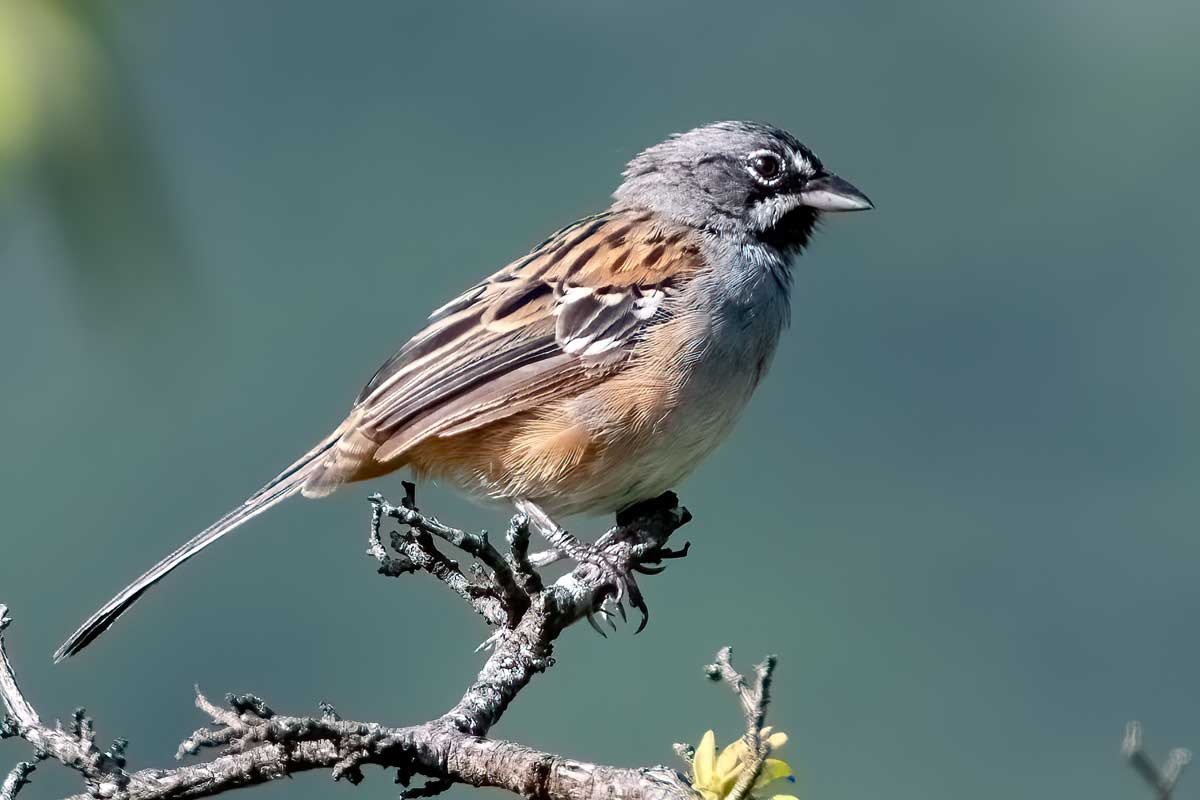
x=1162, y=781
x=754, y=698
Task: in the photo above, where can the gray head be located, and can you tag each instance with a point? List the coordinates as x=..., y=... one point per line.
x=738, y=178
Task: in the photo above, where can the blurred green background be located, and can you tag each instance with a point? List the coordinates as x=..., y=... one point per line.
x=962, y=508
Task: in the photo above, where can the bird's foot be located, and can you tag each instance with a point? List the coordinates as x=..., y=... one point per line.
x=615, y=562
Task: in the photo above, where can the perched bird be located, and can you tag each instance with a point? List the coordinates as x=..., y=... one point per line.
x=598, y=370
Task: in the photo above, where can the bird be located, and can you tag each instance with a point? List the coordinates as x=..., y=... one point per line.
x=599, y=369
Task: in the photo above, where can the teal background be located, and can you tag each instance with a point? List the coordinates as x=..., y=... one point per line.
x=962, y=508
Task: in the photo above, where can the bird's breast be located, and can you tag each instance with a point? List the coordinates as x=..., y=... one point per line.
x=686, y=385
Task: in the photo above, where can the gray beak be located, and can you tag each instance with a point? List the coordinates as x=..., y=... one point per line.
x=830, y=193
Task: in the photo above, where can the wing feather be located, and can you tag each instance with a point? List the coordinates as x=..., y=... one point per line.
x=548, y=325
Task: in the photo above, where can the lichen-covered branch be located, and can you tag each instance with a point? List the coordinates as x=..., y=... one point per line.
x=253, y=744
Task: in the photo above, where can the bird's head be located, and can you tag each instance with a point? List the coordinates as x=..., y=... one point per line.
x=739, y=178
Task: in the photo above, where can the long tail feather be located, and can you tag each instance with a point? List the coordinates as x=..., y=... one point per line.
x=283, y=486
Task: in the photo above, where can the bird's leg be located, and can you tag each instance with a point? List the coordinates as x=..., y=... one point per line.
x=564, y=544
x=544, y=558
x=615, y=570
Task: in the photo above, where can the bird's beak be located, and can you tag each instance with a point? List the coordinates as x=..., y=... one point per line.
x=828, y=192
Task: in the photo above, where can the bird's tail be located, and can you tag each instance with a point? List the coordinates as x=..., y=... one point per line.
x=284, y=485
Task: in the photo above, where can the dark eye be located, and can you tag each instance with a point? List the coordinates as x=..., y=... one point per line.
x=766, y=166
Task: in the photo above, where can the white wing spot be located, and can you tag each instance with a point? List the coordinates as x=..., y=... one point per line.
x=575, y=345
x=645, y=306
x=600, y=346
x=571, y=295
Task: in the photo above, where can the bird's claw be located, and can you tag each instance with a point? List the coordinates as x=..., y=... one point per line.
x=591, y=618
x=620, y=585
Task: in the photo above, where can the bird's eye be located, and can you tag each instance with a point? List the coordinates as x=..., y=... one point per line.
x=766, y=166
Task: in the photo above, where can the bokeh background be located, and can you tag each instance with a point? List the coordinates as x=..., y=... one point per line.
x=962, y=509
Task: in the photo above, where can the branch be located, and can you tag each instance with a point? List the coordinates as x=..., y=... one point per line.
x=256, y=745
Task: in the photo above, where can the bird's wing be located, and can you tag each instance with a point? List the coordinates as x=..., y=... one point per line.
x=548, y=325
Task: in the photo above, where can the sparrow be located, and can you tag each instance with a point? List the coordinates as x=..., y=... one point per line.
x=598, y=370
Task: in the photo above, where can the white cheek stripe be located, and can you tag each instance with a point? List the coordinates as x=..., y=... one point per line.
x=766, y=213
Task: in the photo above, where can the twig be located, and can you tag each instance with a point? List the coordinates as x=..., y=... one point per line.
x=518, y=545
x=754, y=701
x=513, y=599
x=103, y=771
x=14, y=701
x=416, y=551
x=18, y=777
x=1163, y=781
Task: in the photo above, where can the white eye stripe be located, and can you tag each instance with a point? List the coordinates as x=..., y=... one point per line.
x=803, y=166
